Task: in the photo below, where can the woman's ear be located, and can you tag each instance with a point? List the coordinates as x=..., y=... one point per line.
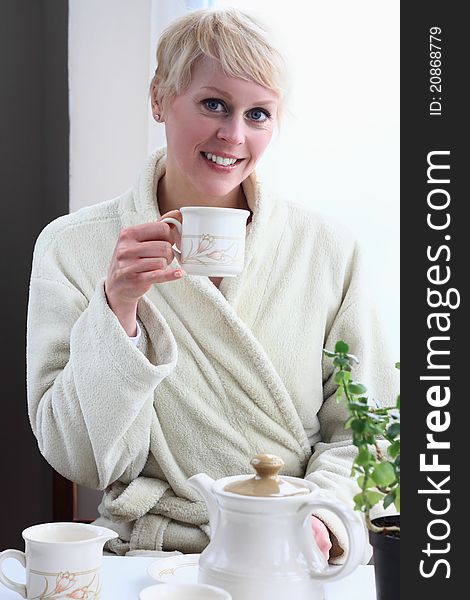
x=157, y=110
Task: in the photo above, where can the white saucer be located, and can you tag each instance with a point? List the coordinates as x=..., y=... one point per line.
x=182, y=569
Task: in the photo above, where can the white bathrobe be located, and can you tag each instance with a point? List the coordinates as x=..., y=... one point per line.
x=219, y=375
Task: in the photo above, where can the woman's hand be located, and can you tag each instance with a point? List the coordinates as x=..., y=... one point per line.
x=322, y=536
x=140, y=259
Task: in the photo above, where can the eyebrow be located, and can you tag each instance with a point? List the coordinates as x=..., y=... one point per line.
x=230, y=97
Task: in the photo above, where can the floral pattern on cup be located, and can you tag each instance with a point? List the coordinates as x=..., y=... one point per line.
x=208, y=251
x=70, y=585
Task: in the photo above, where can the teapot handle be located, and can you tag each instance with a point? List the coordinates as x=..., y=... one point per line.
x=356, y=538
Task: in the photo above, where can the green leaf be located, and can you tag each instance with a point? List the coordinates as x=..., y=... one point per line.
x=397, y=365
x=358, y=406
x=398, y=401
x=389, y=498
x=328, y=353
x=360, y=481
x=397, y=499
x=363, y=457
x=359, y=502
x=393, y=430
x=339, y=377
x=341, y=347
x=353, y=358
x=383, y=474
x=358, y=425
x=372, y=431
x=373, y=497
x=355, y=387
x=394, y=449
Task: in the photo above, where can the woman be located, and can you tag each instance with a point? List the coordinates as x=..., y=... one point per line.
x=140, y=376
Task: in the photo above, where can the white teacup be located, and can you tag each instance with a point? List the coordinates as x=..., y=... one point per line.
x=212, y=240
x=183, y=591
x=61, y=560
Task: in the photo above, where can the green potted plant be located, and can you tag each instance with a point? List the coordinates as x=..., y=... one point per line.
x=376, y=434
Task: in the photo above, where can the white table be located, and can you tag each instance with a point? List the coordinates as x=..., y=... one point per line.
x=125, y=576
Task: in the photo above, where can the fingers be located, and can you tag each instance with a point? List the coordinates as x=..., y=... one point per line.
x=140, y=259
x=164, y=276
x=324, y=547
x=175, y=214
x=322, y=536
x=144, y=232
x=151, y=250
x=146, y=265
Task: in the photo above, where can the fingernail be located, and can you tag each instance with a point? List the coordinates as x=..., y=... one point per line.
x=179, y=274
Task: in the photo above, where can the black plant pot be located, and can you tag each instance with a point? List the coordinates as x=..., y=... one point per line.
x=386, y=559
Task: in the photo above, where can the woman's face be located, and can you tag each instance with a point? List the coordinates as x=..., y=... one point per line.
x=216, y=118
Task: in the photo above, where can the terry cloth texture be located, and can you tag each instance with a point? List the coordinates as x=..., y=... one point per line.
x=219, y=374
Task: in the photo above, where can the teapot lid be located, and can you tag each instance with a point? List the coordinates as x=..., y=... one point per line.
x=266, y=482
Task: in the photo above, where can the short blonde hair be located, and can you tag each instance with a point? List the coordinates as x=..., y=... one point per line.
x=234, y=38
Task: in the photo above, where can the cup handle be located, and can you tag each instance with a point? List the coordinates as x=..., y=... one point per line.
x=20, y=588
x=176, y=252
x=356, y=538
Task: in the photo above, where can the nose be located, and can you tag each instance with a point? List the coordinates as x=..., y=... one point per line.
x=232, y=131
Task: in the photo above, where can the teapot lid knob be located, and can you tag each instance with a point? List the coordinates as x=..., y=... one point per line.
x=266, y=465
x=267, y=482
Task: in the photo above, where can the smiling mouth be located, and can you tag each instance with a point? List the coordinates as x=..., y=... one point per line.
x=221, y=161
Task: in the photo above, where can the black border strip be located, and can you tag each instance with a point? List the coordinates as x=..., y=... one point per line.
x=433, y=263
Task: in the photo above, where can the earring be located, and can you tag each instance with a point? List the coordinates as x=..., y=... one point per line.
x=157, y=117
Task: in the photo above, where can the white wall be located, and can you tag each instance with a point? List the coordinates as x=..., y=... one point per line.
x=109, y=66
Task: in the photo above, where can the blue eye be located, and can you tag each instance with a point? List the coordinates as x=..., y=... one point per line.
x=256, y=115
x=259, y=115
x=212, y=104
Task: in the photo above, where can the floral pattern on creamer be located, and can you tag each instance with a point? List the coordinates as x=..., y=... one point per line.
x=79, y=586
x=209, y=252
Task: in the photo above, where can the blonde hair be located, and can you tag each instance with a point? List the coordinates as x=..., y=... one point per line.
x=238, y=41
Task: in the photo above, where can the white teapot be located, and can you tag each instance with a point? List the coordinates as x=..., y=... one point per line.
x=262, y=546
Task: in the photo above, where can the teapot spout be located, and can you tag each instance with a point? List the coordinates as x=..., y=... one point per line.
x=202, y=483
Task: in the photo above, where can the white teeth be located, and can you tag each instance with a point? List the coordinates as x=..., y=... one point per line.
x=219, y=160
